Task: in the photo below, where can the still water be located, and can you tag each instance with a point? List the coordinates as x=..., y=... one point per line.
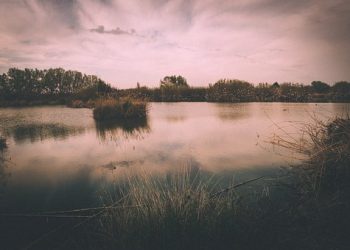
x=59, y=158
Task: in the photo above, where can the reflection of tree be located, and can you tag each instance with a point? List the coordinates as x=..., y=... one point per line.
x=115, y=129
x=40, y=131
x=3, y=144
x=175, y=118
x=227, y=112
x=3, y=174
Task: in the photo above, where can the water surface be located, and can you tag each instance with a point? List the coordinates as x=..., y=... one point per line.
x=60, y=158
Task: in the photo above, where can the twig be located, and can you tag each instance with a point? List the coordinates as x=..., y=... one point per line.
x=87, y=209
x=45, y=215
x=74, y=227
x=99, y=213
x=235, y=186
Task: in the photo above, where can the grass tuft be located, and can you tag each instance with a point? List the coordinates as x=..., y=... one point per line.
x=172, y=211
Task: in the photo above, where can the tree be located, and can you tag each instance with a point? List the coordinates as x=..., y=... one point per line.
x=275, y=85
x=341, y=91
x=320, y=87
x=231, y=90
x=102, y=87
x=174, y=81
x=31, y=84
x=342, y=87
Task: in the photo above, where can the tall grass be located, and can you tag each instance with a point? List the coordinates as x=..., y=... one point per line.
x=319, y=186
x=178, y=210
x=107, y=109
x=325, y=148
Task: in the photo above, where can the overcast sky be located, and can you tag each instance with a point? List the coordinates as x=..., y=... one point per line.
x=126, y=41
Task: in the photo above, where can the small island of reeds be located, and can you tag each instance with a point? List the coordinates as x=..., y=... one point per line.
x=109, y=109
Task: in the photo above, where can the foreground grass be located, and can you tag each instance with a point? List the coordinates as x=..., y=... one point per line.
x=171, y=212
x=180, y=210
x=107, y=109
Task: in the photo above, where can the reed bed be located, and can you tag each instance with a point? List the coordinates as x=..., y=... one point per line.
x=107, y=109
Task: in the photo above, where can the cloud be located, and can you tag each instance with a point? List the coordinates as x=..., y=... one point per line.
x=255, y=40
x=117, y=31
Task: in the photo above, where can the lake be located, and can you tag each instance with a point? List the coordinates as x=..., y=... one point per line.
x=60, y=158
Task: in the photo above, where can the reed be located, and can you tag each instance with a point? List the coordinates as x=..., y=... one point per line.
x=108, y=109
x=179, y=210
x=324, y=147
x=319, y=187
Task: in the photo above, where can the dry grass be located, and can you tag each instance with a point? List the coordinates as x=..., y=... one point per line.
x=324, y=148
x=179, y=210
x=319, y=185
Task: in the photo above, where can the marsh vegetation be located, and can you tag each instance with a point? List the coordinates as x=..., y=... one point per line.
x=58, y=86
x=112, y=109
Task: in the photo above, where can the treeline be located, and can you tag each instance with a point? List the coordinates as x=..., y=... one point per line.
x=228, y=90
x=34, y=86
x=59, y=86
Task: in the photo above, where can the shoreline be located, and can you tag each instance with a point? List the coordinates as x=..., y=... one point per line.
x=153, y=101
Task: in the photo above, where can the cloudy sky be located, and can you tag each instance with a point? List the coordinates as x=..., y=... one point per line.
x=127, y=41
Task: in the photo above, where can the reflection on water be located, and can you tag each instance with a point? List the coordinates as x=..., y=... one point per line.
x=42, y=123
x=114, y=129
x=3, y=166
x=40, y=131
x=67, y=173
x=227, y=112
x=175, y=118
x=120, y=164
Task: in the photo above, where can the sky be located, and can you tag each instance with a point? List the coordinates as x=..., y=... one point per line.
x=127, y=41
